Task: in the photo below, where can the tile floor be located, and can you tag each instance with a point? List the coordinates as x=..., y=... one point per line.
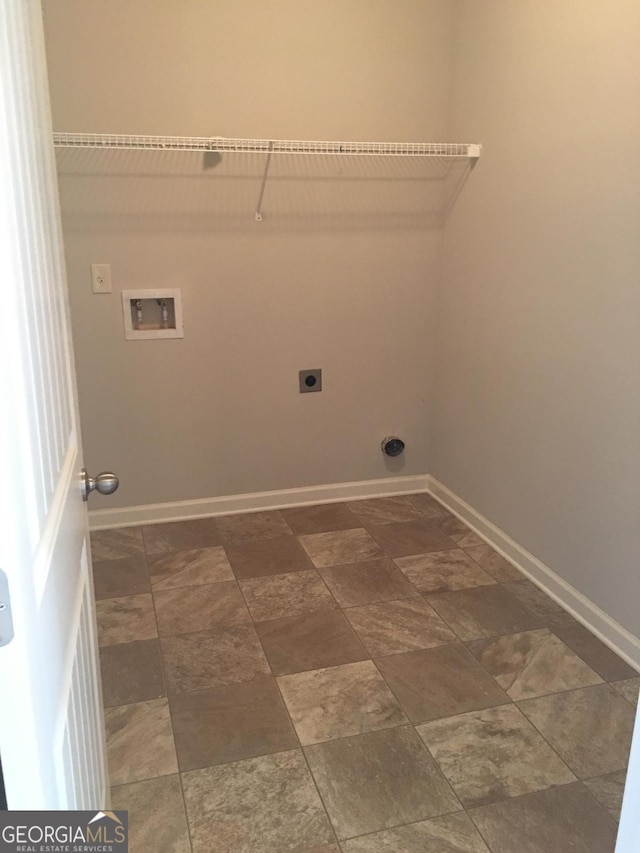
x=366, y=677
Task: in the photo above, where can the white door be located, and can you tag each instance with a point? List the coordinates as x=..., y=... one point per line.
x=51, y=727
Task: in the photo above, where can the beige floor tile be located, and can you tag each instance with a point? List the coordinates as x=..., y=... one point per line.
x=340, y=547
x=181, y=535
x=457, y=530
x=410, y=537
x=483, y=611
x=140, y=741
x=339, y=701
x=254, y=806
x=189, y=568
x=537, y=602
x=131, y=672
x=157, y=819
x=275, y=596
x=589, y=728
x=499, y=568
x=504, y=755
x=450, y=834
x=116, y=544
x=324, y=518
x=429, y=506
x=261, y=557
x=405, y=625
x=118, y=578
x=368, y=582
x=200, y=608
x=124, y=620
x=236, y=529
x=378, y=780
x=385, y=510
x=608, y=791
x=594, y=652
x=629, y=689
x=533, y=664
x=443, y=571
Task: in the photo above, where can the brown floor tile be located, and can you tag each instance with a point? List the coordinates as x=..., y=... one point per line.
x=131, y=672
x=439, y=682
x=181, y=535
x=553, y=821
x=260, y=804
x=275, y=596
x=457, y=530
x=378, y=780
x=504, y=755
x=366, y=583
x=483, y=611
x=453, y=833
x=139, y=741
x=537, y=602
x=594, y=652
x=324, y=518
x=230, y=723
x=261, y=557
x=117, y=578
x=116, y=544
x=608, y=791
x=590, y=728
x=200, y=608
x=410, y=537
x=443, y=571
x=340, y=547
x=386, y=510
x=157, y=819
x=123, y=620
x=309, y=641
x=532, y=664
x=339, y=701
x=212, y=658
x=499, y=568
x=629, y=689
x=189, y=568
x=429, y=506
x=405, y=625
x=236, y=529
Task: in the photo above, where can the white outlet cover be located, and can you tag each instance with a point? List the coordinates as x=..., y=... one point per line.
x=101, y=278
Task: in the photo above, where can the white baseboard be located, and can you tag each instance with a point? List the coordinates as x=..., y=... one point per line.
x=621, y=641
x=130, y=516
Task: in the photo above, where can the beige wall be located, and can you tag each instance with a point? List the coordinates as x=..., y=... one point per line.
x=339, y=275
x=537, y=411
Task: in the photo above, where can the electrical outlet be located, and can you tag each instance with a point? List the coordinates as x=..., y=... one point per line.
x=101, y=278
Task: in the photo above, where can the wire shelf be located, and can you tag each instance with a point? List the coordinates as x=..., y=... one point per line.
x=447, y=150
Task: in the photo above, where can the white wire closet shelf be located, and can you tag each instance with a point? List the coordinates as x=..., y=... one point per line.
x=441, y=154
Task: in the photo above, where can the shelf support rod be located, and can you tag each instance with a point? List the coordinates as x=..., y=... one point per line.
x=264, y=184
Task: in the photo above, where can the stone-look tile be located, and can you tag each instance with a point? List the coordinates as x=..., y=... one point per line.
x=323, y=518
x=457, y=530
x=117, y=578
x=443, y=571
x=157, y=819
x=500, y=569
x=608, y=791
x=275, y=596
x=483, y=611
x=385, y=510
x=533, y=664
x=236, y=529
x=261, y=557
x=340, y=547
x=123, y=620
x=199, y=608
x=230, y=723
x=430, y=506
x=115, y=544
x=453, y=833
x=339, y=701
x=392, y=627
x=590, y=728
x=131, y=672
x=440, y=682
x=365, y=583
x=629, y=689
x=593, y=652
x=410, y=537
x=537, y=602
x=139, y=741
x=378, y=780
x=309, y=641
x=212, y=659
x=259, y=804
x=504, y=756
x=189, y=568
x=326, y=848
x=181, y=535
x=553, y=821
